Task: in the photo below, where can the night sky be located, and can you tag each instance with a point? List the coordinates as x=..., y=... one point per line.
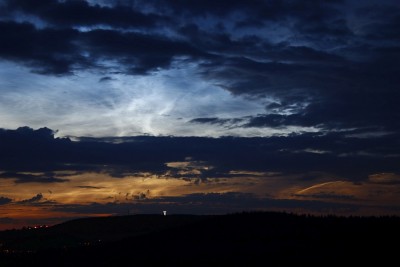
x=201, y=106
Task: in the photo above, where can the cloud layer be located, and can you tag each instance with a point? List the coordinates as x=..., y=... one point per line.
x=204, y=105
x=305, y=66
x=52, y=179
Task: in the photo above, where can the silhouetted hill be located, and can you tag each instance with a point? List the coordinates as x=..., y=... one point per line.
x=248, y=239
x=89, y=231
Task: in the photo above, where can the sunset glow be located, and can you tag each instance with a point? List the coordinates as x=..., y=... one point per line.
x=198, y=107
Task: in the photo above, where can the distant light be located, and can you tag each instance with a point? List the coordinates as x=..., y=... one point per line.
x=165, y=212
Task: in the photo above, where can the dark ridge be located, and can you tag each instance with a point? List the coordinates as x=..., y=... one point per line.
x=95, y=230
x=246, y=239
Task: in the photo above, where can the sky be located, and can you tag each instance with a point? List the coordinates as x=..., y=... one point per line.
x=207, y=107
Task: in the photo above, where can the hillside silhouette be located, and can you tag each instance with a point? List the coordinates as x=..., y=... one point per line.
x=246, y=239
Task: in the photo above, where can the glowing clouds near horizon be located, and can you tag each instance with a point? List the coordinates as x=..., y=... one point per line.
x=100, y=194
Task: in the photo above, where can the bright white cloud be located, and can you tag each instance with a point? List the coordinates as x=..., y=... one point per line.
x=162, y=103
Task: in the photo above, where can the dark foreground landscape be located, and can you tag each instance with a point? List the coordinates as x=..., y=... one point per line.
x=246, y=239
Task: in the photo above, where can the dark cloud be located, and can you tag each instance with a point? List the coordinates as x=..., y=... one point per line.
x=32, y=178
x=333, y=94
x=375, y=27
x=5, y=200
x=210, y=120
x=62, y=51
x=239, y=201
x=211, y=203
x=81, y=13
x=105, y=79
x=140, y=53
x=34, y=199
x=90, y=187
x=340, y=111
x=46, y=50
x=346, y=154
x=337, y=90
x=261, y=9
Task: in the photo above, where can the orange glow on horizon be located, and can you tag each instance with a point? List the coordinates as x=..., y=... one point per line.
x=45, y=201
